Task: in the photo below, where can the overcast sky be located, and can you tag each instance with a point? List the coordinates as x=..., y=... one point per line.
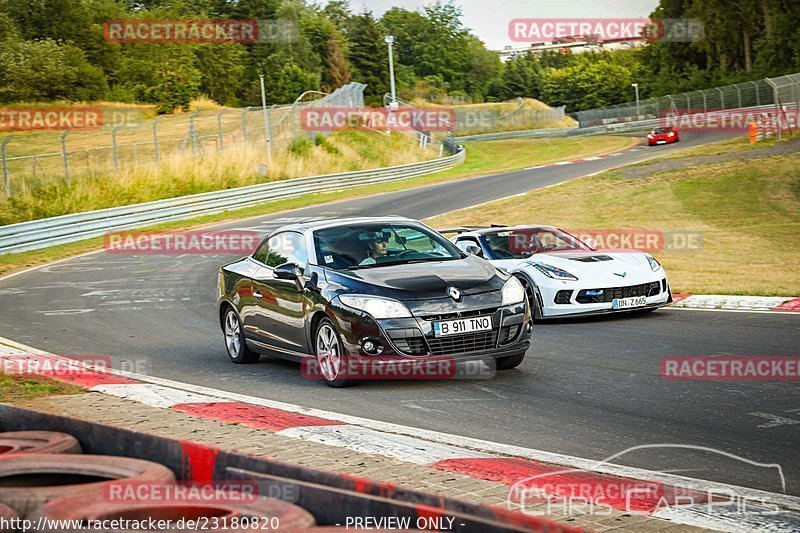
x=488, y=19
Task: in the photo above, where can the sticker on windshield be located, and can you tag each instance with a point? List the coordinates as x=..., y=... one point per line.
x=329, y=259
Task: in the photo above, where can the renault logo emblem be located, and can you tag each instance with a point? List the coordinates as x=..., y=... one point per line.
x=622, y=275
x=454, y=293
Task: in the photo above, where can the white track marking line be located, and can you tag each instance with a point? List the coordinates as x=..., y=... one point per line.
x=472, y=444
x=592, y=158
x=154, y=395
x=51, y=263
x=562, y=163
x=787, y=313
x=365, y=440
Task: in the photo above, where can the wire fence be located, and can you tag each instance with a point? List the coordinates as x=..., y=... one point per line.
x=127, y=140
x=781, y=92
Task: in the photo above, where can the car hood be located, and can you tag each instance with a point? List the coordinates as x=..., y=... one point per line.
x=417, y=281
x=613, y=264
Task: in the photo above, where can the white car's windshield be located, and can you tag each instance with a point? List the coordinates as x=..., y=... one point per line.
x=522, y=243
x=376, y=245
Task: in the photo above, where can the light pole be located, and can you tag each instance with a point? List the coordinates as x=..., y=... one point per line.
x=636, y=88
x=389, y=41
x=267, y=136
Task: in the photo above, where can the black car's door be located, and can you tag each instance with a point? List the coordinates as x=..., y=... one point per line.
x=278, y=316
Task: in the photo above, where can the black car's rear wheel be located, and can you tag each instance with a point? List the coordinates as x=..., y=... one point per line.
x=234, y=340
x=331, y=359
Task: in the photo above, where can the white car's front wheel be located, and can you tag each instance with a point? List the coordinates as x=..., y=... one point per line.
x=533, y=301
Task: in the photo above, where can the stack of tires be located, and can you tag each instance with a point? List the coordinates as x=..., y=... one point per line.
x=44, y=475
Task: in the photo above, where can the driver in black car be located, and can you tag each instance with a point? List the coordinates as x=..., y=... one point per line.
x=378, y=243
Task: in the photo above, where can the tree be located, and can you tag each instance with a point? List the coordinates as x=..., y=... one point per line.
x=328, y=44
x=47, y=70
x=369, y=56
x=222, y=68
x=163, y=74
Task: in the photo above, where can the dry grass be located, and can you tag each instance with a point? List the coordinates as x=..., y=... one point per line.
x=748, y=213
x=179, y=175
x=501, y=116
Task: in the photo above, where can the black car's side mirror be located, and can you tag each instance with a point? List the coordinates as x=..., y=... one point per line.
x=290, y=272
x=473, y=249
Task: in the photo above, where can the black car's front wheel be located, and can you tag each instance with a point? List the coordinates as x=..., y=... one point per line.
x=331, y=359
x=234, y=340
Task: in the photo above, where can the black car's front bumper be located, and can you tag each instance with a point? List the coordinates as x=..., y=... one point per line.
x=414, y=337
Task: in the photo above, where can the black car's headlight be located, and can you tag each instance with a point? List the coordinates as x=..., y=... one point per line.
x=654, y=264
x=552, y=272
x=513, y=292
x=376, y=306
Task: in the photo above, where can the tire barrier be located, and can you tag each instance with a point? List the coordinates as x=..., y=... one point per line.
x=28, y=481
x=260, y=514
x=37, y=442
x=6, y=515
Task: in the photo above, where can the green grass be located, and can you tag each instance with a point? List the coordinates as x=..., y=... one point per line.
x=748, y=212
x=492, y=157
x=15, y=388
x=483, y=158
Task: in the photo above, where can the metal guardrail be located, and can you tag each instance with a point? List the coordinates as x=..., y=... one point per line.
x=618, y=127
x=543, y=132
x=36, y=234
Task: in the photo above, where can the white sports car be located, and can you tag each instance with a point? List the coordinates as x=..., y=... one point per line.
x=565, y=276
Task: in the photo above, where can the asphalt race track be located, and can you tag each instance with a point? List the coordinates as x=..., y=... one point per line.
x=589, y=388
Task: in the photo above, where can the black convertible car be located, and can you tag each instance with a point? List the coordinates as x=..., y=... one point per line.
x=338, y=293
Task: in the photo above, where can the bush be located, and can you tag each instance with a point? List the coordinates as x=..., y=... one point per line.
x=322, y=141
x=301, y=147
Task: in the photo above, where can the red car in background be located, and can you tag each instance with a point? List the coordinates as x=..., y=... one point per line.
x=662, y=136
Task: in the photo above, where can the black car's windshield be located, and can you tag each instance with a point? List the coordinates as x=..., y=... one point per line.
x=522, y=243
x=376, y=245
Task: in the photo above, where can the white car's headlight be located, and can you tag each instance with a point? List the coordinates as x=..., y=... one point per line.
x=513, y=292
x=376, y=306
x=552, y=272
x=654, y=264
